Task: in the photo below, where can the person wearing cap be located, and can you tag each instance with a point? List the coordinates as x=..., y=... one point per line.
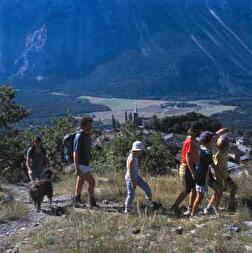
x=187, y=173
x=203, y=176
x=221, y=170
x=82, y=158
x=36, y=160
x=132, y=177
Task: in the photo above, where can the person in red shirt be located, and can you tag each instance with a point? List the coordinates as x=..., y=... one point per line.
x=190, y=157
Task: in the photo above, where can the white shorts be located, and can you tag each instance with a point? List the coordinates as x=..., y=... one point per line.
x=203, y=189
x=85, y=169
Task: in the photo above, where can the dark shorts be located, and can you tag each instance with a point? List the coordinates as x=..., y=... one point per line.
x=188, y=181
x=213, y=183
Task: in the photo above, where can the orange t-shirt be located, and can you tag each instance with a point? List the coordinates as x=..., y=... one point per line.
x=190, y=146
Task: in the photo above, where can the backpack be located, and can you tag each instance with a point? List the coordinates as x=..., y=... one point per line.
x=67, y=148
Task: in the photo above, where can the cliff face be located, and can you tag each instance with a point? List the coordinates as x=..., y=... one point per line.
x=146, y=48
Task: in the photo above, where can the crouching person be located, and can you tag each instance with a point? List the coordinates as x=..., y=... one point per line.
x=133, y=179
x=82, y=158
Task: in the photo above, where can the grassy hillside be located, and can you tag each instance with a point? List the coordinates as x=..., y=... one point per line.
x=86, y=230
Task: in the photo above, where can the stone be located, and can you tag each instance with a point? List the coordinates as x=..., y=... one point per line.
x=233, y=229
x=248, y=248
x=200, y=225
x=193, y=232
x=227, y=236
x=135, y=231
x=6, y=198
x=248, y=224
x=179, y=230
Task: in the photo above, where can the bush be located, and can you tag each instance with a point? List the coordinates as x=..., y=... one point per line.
x=156, y=158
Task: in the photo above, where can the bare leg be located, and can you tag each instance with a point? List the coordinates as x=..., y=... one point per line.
x=231, y=202
x=215, y=198
x=192, y=198
x=91, y=186
x=197, y=202
x=179, y=199
x=79, y=184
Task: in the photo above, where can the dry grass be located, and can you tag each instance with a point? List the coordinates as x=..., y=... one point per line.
x=13, y=211
x=99, y=231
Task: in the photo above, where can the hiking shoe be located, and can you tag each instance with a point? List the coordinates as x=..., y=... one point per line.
x=77, y=200
x=93, y=203
x=175, y=211
x=231, y=208
x=187, y=212
x=150, y=204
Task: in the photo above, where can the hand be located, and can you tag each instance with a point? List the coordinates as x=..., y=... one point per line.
x=194, y=176
x=134, y=186
x=77, y=172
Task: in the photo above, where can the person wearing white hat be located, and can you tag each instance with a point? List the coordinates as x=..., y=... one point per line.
x=132, y=177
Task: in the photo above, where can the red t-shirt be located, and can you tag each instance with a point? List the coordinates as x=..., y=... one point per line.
x=190, y=146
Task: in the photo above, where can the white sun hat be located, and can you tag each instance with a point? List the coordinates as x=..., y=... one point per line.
x=137, y=146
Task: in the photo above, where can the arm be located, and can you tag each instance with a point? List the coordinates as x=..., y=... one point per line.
x=76, y=163
x=29, y=163
x=133, y=180
x=76, y=148
x=190, y=164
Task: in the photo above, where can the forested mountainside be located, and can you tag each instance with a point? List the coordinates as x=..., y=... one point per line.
x=142, y=48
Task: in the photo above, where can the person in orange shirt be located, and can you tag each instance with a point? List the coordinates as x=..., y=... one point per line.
x=187, y=173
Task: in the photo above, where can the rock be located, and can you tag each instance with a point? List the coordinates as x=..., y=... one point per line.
x=178, y=230
x=200, y=225
x=103, y=180
x=193, y=232
x=248, y=248
x=233, y=229
x=135, y=231
x=227, y=236
x=15, y=250
x=248, y=224
x=6, y=198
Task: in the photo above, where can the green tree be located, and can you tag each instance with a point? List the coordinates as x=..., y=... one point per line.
x=10, y=138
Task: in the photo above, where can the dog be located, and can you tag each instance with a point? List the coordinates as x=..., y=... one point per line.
x=40, y=189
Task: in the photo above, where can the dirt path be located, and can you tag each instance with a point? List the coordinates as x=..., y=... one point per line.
x=33, y=218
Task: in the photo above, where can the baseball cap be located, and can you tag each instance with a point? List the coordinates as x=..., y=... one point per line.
x=206, y=137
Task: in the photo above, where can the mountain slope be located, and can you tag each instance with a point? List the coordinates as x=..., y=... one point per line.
x=128, y=48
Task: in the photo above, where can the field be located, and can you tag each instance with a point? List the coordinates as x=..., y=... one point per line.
x=147, y=108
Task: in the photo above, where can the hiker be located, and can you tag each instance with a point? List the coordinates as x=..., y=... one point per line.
x=204, y=177
x=36, y=160
x=133, y=179
x=82, y=159
x=187, y=173
x=221, y=173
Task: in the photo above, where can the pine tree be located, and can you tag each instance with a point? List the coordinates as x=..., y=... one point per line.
x=130, y=117
x=126, y=117
x=113, y=122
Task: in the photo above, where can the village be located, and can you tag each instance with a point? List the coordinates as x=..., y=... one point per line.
x=240, y=151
